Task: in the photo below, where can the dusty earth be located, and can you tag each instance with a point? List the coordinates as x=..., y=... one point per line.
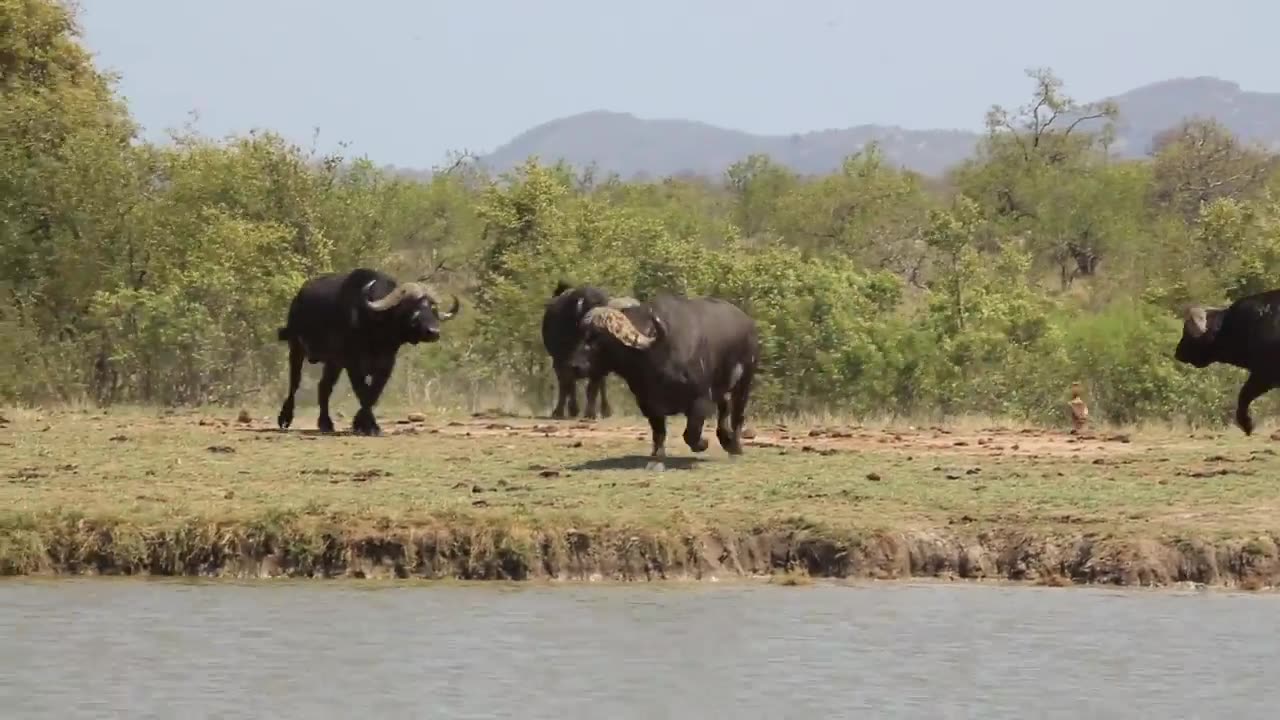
x=994, y=441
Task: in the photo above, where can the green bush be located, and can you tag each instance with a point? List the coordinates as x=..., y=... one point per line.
x=134, y=272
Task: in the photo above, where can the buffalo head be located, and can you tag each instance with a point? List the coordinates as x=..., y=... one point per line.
x=609, y=326
x=416, y=307
x=1199, y=330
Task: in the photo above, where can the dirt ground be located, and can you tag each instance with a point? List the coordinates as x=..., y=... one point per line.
x=994, y=441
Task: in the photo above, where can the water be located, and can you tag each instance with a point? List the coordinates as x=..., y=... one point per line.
x=138, y=649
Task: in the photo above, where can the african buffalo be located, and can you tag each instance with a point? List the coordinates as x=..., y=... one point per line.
x=561, y=333
x=678, y=355
x=1245, y=334
x=356, y=321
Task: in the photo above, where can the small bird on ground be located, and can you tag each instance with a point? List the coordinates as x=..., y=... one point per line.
x=1079, y=410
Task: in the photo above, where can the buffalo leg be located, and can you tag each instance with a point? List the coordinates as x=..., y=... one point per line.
x=694, y=419
x=369, y=393
x=738, y=398
x=324, y=390
x=605, y=409
x=658, y=424
x=285, y=419
x=595, y=396
x=567, y=392
x=1252, y=389
x=724, y=432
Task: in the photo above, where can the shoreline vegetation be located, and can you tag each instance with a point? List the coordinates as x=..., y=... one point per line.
x=207, y=493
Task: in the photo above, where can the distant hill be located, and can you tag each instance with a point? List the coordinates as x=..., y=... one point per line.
x=632, y=146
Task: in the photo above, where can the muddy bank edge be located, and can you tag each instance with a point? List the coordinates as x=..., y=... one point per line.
x=478, y=553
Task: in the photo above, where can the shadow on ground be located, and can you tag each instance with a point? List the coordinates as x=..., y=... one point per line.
x=305, y=432
x=639, y=462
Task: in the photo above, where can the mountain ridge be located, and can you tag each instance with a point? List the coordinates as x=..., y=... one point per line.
x=637, y=147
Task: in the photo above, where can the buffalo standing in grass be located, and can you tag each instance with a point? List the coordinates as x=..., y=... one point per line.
x=356, y=322
x=1245, y=334
x=561, y=332
x=678, y=355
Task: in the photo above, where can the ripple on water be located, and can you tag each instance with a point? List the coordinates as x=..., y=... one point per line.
x=164, y=649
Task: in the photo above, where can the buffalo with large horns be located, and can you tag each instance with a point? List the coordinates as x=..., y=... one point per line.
x=678, y=355
x=1245, y=334
x=357, y=321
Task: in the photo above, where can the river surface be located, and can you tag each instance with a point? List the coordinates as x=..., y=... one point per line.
x=103, y=648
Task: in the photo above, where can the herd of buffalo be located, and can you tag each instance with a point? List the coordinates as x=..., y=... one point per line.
x=678, y=355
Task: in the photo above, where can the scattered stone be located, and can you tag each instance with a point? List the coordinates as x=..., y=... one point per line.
x=417, y=417
x=476, y=489
x=228, y=495
x=748, y=433
x=549, y=473
x=1207, y=473
x=118, y=438
x=479, y=503
x=244, y=418
x=873, y=476
x=221, y=449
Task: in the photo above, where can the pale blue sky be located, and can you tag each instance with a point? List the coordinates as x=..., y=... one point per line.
x=405, y=82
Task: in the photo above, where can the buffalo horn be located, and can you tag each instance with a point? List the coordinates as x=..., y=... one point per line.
x=612, y=321
x=1197, y=321
x=414, y=290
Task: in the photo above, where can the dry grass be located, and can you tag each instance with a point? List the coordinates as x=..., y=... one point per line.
x=145, y=472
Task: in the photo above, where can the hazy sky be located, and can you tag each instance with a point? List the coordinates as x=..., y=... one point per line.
x=407, y=81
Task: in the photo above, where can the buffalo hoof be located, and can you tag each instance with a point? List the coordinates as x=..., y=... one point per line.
x=1246, y=424
x=367, y=430
x=324, y=424
x=699, y=445
x=365, y=424
x=284, y=420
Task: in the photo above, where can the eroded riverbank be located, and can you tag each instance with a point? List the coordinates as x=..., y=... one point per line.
x=576, y=555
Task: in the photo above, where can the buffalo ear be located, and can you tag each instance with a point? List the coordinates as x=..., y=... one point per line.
x=561, y=286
